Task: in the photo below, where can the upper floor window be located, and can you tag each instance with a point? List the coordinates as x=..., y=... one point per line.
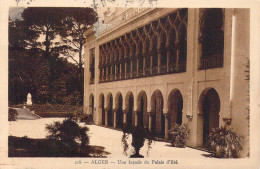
x=92, y=65
x=211, y=38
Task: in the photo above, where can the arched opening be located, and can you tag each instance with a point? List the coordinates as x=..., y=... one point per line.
x=102, y=108
x=209, y=107
x=130, y=118
x=91, y=104
x=158, y=122
x=119, y=109
x=175, y=106
x=142, y=115
x=110, y=113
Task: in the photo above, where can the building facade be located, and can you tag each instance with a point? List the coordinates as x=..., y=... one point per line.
x=160, y=66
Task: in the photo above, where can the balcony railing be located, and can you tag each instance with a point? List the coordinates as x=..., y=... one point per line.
x=140, y=73
x=163, y=69
x=213, y=61
x=128, y=75
x=155, y=70
x=134, y=74
x=146, y=72
x=122, y=75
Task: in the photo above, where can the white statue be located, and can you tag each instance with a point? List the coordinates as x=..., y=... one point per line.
x=29, y=99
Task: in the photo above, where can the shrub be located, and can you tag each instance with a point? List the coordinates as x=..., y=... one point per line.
x=179, y=135
x=69, y=134
x=225, y=142
x=74, y=98
x=81, y=117
x=12, y=114
x=49, y=110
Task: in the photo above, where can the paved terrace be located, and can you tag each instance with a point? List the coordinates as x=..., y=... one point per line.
x=108, y=138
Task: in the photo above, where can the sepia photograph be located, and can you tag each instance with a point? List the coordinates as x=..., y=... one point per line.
x=133, y=84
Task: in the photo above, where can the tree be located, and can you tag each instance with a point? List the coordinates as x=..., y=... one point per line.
x=44, y=21
x=76, y=22
x=70, y=134
x=22, y=42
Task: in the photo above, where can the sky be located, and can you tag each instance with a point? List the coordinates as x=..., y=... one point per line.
x=15, y=12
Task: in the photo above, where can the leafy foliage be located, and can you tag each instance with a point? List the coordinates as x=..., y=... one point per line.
x=12, y=114
x=225, y=142
x=139, y=134
x=69, y=133
x=179, y=135
x=35, y=63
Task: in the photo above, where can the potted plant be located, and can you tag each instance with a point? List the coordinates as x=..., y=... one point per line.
x=179, y=135
x=139, y=134
x=225, y=143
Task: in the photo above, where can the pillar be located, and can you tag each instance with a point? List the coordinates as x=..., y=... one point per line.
x=150, y=116
x=159, y=62
x=124, y=116
x=144, y=65
x=115, y=113
x=131, y=68
x=121, y=70
x=168, y=60
x=106, y=116
x=137, y=67
x=136, y=117
x=177, y=58
x=116, y=73
x=126, y=70
x=111, y=72
x=151, y=64
x=166, y=126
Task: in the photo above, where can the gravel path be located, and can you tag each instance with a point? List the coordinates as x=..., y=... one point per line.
x=26, y=114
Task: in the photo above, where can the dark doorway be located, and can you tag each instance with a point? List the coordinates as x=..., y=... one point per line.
x=157, y=107
x=130, y=117
x=210, y=108
x=110, y=111
x=119, y=115
x=175, y=106
x=103, y=109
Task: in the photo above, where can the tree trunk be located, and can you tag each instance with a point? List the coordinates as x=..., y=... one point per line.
x=80, y=68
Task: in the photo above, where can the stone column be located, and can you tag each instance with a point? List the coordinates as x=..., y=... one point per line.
x=166, y=126
x=115, y=114
x=168, y=60
x=136, y=117
x=106, y=78
x=137, y=67
x=116, y=72
x=126, y=70
x=121, y=70
x=124, y=116
x=106, y=116
x=144, y=65
x=151, y=64
x=159, y=61
x=177, y=58
x=131, y=68
x=111, y=72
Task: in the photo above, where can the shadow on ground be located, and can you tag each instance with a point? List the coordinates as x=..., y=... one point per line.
x=27, y=147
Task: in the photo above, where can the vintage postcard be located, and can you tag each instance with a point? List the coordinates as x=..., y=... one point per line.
x=129, y=84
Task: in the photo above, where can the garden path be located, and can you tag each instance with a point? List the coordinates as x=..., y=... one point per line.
x=108, y=138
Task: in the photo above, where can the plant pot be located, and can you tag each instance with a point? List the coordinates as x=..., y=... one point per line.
x=136, y=155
